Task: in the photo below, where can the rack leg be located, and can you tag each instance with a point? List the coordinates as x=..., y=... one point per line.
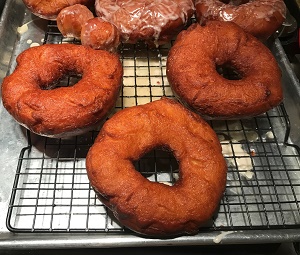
x=297, y=247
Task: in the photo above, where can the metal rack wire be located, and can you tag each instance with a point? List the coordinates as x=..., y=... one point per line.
x=51, y=192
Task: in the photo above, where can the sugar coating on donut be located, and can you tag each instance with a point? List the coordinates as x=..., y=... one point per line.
x=99, y=34
x=71, y=19
x=260, y=18
x=146, y=20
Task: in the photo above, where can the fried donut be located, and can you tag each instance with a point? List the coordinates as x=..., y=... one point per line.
x=260, y=18
x=155, y=22
x=49, y=9
x=28, y=96
x=152, y=208
x=100, y=35
x=71, y=19
x=192, y=72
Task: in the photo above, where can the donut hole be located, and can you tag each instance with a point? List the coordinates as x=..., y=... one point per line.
x=159, y=165
x=229, y=72
x=234, y=2
x=68, y=80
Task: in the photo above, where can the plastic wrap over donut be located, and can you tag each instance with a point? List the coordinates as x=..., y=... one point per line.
x=67, y=135
x=71, y=19
x=99, y=34
x=260, y=18
x=47, y=9
x=152, y=21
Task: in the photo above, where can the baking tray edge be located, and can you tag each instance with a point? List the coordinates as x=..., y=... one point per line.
x=9, y=240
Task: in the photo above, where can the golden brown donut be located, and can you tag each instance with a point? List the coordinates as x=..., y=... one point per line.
x=100, y=35
x=152, y=208
x=49, y=9
x=192, y=64
x=153, y=21
x=260, y=18
x=29, y=96
x=71, y=19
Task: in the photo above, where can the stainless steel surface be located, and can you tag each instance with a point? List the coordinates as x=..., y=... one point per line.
x=266, y=249
x=13, y=139
x=291, y=91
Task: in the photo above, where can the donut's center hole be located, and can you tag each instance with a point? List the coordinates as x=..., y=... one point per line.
x=229, y=72
x=234, y=2
x=159, y=165
x=67, y=81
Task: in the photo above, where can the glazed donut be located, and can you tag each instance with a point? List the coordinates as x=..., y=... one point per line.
x=49, y=9
x=152, y=208
x=194, y=58
x=71, y=19
x=260, y=18
x=155, y=22
x=100, y=35
x=28, y=93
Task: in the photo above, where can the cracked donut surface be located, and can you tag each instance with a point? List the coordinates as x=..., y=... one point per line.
x=152, y=208
x=192, y=72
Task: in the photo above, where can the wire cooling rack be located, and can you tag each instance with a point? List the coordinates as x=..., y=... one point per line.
x=51, y=191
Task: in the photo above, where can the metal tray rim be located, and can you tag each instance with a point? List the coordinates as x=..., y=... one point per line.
x=34, y=241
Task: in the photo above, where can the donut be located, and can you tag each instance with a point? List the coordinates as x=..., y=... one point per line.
x=260, y=18
x=99, y=34
x=153, y=208
x=49, y=9
x=30, y=94
x=71, y=19
x=192, y=65
x=155, y=22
